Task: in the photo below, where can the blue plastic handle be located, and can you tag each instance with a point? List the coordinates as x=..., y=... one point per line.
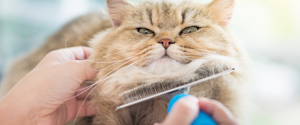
x=202, y=118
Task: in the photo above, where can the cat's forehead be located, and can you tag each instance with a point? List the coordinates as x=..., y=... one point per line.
x=164, y=14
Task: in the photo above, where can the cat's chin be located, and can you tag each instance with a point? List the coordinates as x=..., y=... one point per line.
x=164, y=65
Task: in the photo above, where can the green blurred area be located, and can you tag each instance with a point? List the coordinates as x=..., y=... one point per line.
x=275, y=20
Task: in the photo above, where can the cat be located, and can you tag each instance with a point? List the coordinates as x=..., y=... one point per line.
x=155, y=41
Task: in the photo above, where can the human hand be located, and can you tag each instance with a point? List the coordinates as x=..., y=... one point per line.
x=187, y=109
x=45, y=96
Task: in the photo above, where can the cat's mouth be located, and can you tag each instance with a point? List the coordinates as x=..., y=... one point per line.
x=171, y=56
x=166, y=58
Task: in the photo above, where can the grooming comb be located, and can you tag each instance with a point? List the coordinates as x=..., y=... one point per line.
x=167, y=91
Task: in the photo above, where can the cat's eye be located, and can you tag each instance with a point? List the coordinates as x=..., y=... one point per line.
x=145, y=31
x=189, y=30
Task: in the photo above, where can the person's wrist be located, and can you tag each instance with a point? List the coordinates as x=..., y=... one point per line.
x=12, y=112
x=12, y=115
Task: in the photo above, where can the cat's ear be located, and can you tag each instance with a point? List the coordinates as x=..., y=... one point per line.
x=221, y=11
x=117, y=10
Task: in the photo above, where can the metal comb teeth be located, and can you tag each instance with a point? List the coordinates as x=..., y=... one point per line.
x=146, y=90
x=149, y=91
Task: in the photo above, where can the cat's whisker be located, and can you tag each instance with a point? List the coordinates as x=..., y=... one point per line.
x=215, y=52
x=66, y=42
x=115, y=61
x=108, y=66
x=116, y=68
x=103, y=12
x=113, y=54
x=144, y=50
x=90, y=68
x=103, y=80
x=117, y=53
x=114, y=64
x=196, y=53
x=201, y=53
x=90, y=86
x=206, y=52
x=147, y=59
x=142, y=64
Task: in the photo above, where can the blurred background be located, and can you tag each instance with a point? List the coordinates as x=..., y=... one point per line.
x=268, y=29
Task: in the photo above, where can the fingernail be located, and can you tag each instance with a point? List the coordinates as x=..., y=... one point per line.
x=191, y=99
x=204, y=99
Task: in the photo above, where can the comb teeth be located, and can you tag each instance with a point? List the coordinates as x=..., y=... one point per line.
x=147, y=90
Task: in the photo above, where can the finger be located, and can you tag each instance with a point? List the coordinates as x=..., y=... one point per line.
x=87, y=70
x=87, y=51
x=183, y=112
x=218, y=111
x=80, y=109
x=81, y=53
x=156, y=124
x=79, y=69
x=67, y=54
x=83, y=92
x=76, y=53
x=84, y=109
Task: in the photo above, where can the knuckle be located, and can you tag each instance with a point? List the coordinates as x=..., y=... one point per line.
x=217, y=103
x=54, y=52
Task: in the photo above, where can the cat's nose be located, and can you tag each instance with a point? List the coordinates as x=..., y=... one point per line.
x=166, y=42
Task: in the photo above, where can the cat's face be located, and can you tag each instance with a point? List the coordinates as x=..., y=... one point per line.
x=164, y=35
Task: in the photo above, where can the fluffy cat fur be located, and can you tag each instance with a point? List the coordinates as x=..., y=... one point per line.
x=127, y=58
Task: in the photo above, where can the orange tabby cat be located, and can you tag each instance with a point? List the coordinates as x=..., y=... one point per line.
x=153, y=42
x=163, y=41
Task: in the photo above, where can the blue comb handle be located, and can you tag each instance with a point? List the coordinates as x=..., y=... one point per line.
x=202, y=118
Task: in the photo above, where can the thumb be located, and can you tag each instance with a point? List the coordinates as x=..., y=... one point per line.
x=183, y=112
